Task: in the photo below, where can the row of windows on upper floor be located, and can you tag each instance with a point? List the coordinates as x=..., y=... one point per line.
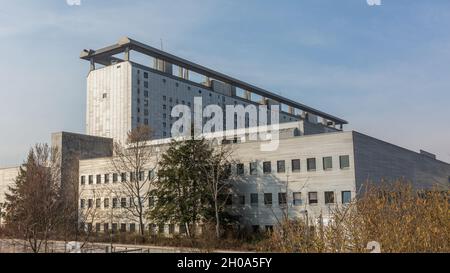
x=311, y=165
x=329, y=198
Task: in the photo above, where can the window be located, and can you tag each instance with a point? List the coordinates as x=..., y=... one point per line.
x=327, y=163
x=146, y=84
x=241, y=200
x=312, y=197
x=267, y=167
x=91, y=179
x=151, y=201
x=123, y=177
x=114, y=227
x=114, y=204
x=253, y=168
x=83, y=180
x=182, y=229
x=146, y=112
x=254, y=199
x=295, y=165
x=164, y=98
x=329, y=197
x=146, y=93
x=90, y=203
x=255, y=229
x=164, y=107
x=132, y=227
x=240, y=169
x=161, y=228
x=151, y=175
x=105, y=227
x=346, y=197
x=145, y=102
x=106, y=203
x=281, y=168
x=82, y=203
x=145, y=75
x=268, y=199
x=297, y=198
x=171, y=228
x=228, y=200
x=311, y=164
x=269, y=229
x=89, y=227
x=97, y=227
x=123, y=227
x=344, y=161
x=115, y=177
x=141, y=176
x=282, y=199
x=105, y=95
x=106, y=178
x=98, y=203
x=123, y=202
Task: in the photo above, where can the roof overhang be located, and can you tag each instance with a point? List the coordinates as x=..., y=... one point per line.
x=105, y=55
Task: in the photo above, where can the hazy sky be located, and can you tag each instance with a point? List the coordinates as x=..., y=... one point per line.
x=385, y=69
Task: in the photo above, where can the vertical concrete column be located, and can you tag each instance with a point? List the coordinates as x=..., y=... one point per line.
x=92, y=67
x=247, y=95
x=127, y=54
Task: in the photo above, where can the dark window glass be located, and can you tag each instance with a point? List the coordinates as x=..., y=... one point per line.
x=267, y=167
x=268, y=199
x=295, y=165
x=253, y=168
x=346, y=197
x=282, y=198
x=240, y=169
x=327, y=163
x=329, y=197
x=297, y=198
x=254, y=199
x=311, y=164
x=312, y=197
x=344, y=161
x=281, y=168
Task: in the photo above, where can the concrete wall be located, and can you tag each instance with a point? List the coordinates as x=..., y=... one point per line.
x=376, y=160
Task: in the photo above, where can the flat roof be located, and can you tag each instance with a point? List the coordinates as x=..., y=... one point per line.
x=105, y=55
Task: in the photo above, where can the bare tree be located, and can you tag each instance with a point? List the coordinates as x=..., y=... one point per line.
x=217, y=170
x=136, y=163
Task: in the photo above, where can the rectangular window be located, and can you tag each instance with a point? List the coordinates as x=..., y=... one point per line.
x=115, y=177
x=228, y=200
x=253, y=168
x=312, y=197
x=311, y=164
x=281, y=168
x=146, y=84
x=106, y=203
x=123, y=202
x=240, y=169
x=90, y=203
x=267, y=167
x=114, y=227
x=105, y=227
x=83, y=180
x=123, y=177
x=145, y=75
x=171, y=228
x=268, y=199
x=141, y=176
x=241, y=200
x=329, y=197
x=327, y=163
x=297, y=198
x=151, y=175
x=132, y=227
x=344, y=161
x=106, y=177
x=282, y=199
x=98, y=203
x=295, y=165
x=346, y=197
x=123, y=227
x=161, y=228
x=254, y=199
x=131, y=176
x=146, y=94
x=114, y=203
x=97, y=227
x=105, y=95
x=82, y=203
x=151, y=201
x=91, y=179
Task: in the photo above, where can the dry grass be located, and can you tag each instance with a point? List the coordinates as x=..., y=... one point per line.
x=398, y=217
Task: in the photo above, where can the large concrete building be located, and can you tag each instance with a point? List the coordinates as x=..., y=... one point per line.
x=316, y=166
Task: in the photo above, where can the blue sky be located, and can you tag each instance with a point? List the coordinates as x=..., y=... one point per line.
x=385, y=69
